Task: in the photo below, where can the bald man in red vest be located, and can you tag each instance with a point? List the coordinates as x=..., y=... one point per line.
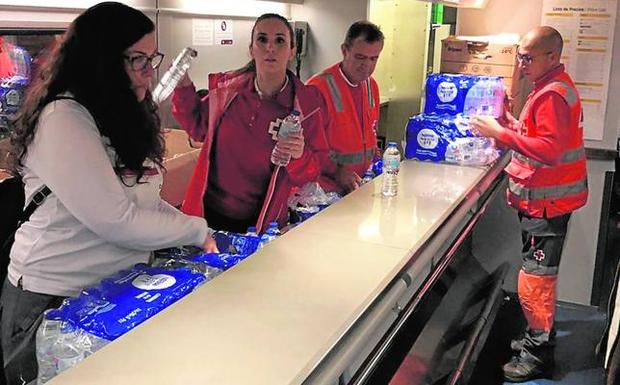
x=547, y=182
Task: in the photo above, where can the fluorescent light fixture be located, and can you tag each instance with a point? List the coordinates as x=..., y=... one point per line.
x=251, y=8
x=53, y=4
x=461, y=3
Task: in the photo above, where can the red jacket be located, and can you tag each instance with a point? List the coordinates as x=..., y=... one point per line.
x=353, y=144
x=200, y=119
x=547, y=173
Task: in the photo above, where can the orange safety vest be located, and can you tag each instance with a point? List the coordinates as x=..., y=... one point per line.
x=353, y=144
x=542, y=190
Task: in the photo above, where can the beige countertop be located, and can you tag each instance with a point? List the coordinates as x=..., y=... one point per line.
x=272, y=318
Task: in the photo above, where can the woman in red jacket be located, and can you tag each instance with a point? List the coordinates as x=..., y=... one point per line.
x=234, y=183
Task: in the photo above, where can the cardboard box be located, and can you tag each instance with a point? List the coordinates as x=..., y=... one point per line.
x=481, y=58
x=179, y=161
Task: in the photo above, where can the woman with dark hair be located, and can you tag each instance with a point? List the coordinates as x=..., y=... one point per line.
x=89, y=131
x=234, y=183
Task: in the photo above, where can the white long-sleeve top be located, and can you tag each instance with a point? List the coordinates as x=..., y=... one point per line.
x=91, y=225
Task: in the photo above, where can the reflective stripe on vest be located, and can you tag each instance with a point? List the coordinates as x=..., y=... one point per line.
x=371, y=99
x=333, y=88
x=570, y=96
x=351, y=157
x=568, y=157
x=335, y=92
x=551, y=192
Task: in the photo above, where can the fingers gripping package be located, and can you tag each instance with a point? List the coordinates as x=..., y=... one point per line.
x=453, y=94
x=84, y=324
x=234, y=248
x=445, y=138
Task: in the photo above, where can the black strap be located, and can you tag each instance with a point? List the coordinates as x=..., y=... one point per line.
x=37, y=200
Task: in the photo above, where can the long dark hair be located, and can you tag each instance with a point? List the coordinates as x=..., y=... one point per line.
x=251, y=65
x=89, y=63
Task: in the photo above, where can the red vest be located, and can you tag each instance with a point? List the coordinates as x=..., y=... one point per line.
x=224, y=89
x=542, y=190
x=353, y=144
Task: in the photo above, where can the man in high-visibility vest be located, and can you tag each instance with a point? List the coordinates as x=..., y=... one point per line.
x=351, y=112
x=547, y=182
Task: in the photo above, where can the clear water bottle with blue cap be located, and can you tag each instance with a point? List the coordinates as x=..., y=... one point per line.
x=270, y=234
x=291, y=123
x=368, y=175
x=252, y=231
x=391, y=166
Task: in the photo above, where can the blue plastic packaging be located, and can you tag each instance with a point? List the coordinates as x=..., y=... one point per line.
x=126, y=299
x=445, y=138
x=222, y=261
x=454, y=94
x=377, y=166
x=235, y=243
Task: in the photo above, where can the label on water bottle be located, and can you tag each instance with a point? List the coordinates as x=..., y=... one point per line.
x=446, y=92
x=428, y=138
x=286, y=128
x=391, y=164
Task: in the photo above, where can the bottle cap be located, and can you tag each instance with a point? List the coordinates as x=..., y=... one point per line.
x=192, y=52
x=392, y=144
x=252, y=229
x=295, y=112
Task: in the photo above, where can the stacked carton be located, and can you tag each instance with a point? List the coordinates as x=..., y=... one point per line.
x=482, y=56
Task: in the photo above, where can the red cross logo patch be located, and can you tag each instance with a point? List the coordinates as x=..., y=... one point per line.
x=539, y=255
x=274, y=127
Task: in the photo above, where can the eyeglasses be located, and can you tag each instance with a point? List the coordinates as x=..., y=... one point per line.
x=528, y=59
x=139, y=62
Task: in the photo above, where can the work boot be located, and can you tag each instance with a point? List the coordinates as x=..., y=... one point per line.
x=523, y=367
x=517, y=344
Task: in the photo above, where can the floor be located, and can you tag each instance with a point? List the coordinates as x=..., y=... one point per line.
x=578, y=331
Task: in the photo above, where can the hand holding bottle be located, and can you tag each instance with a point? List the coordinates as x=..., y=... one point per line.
x=290, y=141
x=185, y=81
x=292, y=146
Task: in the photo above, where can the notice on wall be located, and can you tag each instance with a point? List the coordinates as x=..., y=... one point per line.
x=224, y=32
x=202, y=32
x=587, y=27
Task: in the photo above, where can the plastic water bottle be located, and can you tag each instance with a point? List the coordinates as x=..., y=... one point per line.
x=270, y=234
x=252, y=231
x=290, y=124
x=368, y=175
x=66, y=350
x=391, y=166
x=47, y=333
x=173, y=76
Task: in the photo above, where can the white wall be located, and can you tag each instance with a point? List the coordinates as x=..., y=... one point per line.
x=525, y=15
x=328, y=22
x=577, y=267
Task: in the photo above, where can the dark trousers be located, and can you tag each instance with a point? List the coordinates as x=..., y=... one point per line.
x=22, y=313
x=543, y=241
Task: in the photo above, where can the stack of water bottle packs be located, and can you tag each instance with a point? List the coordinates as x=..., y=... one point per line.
x=85, y=324
x=442, y=133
